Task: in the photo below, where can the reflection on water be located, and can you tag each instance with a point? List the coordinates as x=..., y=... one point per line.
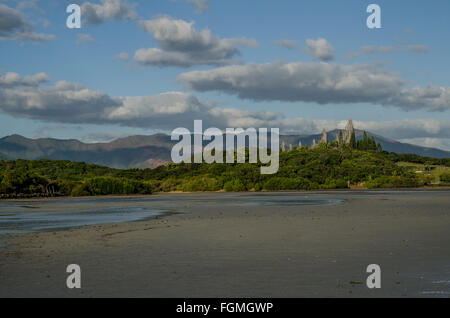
x=55, y=214
x=438, y=288
x=20, y=222
x=435, y=293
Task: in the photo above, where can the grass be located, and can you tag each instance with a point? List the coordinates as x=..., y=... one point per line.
x=431, y=170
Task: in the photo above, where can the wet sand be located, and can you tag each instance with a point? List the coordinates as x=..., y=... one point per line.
x=226, y=250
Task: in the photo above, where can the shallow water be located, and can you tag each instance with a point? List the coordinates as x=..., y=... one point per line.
x=20, y=222
x=56, y=214
x=19, y=216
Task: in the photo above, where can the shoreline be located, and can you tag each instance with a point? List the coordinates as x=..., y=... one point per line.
x=229, y=192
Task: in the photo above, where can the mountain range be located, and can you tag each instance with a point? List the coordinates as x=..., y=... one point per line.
x=151, y=151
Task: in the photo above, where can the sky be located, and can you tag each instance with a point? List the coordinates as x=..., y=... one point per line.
x=140, y=67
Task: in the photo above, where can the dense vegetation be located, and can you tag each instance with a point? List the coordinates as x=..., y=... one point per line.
x=445, y=178
x=327, y=166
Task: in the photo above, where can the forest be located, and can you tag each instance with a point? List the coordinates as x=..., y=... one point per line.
x=362, y=164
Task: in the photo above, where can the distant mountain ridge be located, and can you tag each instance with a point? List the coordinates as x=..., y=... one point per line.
x=141, y=151
x=130, y=152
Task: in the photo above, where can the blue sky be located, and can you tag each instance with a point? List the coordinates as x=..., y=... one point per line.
x=411, y=50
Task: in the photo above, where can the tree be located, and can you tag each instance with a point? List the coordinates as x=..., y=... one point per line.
x=353, y=141
x=365, y=143
x=379, y=148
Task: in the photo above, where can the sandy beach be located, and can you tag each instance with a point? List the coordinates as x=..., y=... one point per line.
x=206, y=249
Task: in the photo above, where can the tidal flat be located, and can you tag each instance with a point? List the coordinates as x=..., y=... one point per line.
x=280, y=244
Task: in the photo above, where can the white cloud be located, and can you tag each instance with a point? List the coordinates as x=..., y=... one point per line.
x=29, y=5
x=408, y=128
x=12, y=79
x=320, y=49
x=14, y=26
x=66, y=102
x=181, y=44
x=123, y=56
x=323, y=83
x=288, y=44
x=98, y=137
x=374, y=49
x=161, y=58
x=108, y=10
x=200, y=5
x=310, y=82
x=84, y=38
x=432, y=98
x=63, y=102
x=440, y=143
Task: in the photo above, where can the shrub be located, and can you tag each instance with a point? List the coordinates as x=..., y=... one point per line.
x=281, y=183
x=234, y=185
x=393, y=182
x=110, y=185
x=445, y=177
x=201, y=183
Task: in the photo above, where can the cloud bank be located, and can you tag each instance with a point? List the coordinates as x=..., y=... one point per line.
x=93, y=13
x=318, y=82
x=12, y=79
x=181, y=44
x=64, y=102
x=14, y=26
x=320, y=49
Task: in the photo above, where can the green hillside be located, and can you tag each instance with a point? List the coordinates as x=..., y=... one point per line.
x=324, y=167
